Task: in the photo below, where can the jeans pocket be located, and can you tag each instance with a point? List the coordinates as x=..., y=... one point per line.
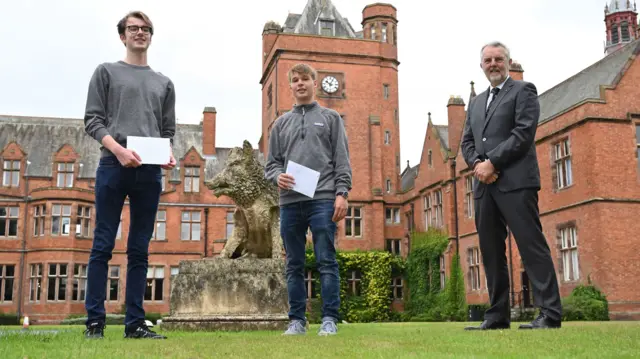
x=109, y=161
x=108, y=175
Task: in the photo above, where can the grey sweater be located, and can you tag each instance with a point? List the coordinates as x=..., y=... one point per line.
x=314, y=137
x=129, y=100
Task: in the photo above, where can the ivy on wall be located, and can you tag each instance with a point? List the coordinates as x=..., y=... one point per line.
x=376, y=269
x=427, y=300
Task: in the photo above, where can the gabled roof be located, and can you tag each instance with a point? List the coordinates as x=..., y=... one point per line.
x=586, y=84
x=309, y=21
x=443, y=134
x=408, y=177
x=40, y=138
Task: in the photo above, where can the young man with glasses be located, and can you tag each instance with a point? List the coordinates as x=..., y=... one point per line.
x=312, y=136
x=126, y=98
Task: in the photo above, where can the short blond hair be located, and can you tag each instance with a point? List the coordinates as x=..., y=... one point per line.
x=302, y=69
x=122, y=24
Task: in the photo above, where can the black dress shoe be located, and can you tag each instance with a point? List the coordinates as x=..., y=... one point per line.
x=491, y=325
x=543, y=321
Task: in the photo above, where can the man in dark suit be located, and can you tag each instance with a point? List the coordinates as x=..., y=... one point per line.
x=498, y=143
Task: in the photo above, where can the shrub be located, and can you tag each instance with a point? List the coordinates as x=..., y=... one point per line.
x=585, y=302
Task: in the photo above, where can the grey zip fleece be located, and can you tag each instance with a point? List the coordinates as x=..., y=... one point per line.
x=313, y=136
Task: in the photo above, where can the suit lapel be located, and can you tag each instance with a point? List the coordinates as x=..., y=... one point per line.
x=482, y=105
x=507, y=86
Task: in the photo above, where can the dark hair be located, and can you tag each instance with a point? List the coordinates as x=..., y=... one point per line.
x=122, y=24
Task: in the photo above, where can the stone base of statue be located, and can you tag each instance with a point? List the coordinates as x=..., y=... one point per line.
x=229, y=294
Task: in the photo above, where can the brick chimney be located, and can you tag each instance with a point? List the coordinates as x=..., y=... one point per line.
x=456, y=118
x=270, y=33
x=515, y=71
x=209, y=131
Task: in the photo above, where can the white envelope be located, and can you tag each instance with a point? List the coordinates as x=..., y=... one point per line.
x=306, y=179
x=152, y=150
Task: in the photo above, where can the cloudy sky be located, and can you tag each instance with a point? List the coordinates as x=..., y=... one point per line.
x=211, y=50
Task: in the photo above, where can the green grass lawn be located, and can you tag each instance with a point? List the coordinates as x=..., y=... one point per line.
x=386, y=340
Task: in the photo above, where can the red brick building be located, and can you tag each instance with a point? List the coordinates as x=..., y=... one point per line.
x=588, y=144
x=47, y=216
x=358, y=77
x=588, y=147
x=49, y=164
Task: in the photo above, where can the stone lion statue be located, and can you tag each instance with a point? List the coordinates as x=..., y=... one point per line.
x=256, y=233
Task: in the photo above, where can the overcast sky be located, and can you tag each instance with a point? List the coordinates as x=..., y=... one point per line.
x=212, y=52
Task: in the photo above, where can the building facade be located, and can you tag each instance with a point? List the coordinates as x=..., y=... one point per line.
x=357, y=77
x=48, y=169
x=47, y=216
x=588, y=148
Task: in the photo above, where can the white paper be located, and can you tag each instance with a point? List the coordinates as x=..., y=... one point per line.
x=306, y=179
x=152, y=150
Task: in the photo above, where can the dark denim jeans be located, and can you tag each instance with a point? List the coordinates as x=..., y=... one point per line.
x=295, y=219
x=114, y=183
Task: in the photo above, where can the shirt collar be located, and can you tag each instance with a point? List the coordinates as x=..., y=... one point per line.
x=501, y=85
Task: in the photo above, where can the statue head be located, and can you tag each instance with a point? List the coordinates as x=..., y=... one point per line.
x=242, y=178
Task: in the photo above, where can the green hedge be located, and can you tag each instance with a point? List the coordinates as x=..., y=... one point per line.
x=585, y=302
x=377, y=268
x=9, y=319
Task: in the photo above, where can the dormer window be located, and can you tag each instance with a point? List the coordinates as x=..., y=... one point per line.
x=65, y=174
x=192, y=179
x=11, y=173
x=615, y=38
x=327, y=28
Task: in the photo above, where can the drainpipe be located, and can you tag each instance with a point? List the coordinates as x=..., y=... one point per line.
x=206, y=226
x=455, y=206
x=411, y=226
x=24, y=245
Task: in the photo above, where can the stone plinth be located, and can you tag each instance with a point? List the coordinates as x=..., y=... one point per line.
x=229, y=294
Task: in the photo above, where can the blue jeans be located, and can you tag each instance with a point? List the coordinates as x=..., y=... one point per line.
x=114, y=183
x=295, y=219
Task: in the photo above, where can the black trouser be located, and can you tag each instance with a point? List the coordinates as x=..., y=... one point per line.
x=519, y=210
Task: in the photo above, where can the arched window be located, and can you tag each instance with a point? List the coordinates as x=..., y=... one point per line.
x=624, y=30
x=614, y=34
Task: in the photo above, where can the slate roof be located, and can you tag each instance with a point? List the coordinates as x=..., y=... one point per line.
x=443, y=133
x=408, y=177
x=586, y=84
x=314, y=11
x=40, y=138
x=621, y=5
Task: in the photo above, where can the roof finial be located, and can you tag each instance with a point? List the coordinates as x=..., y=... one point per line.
x=408, y=163
x=429, y=116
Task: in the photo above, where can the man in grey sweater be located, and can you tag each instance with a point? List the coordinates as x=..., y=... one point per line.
x=314, y=137
x=126, y=98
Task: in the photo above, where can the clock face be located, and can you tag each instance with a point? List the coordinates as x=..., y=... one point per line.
x=330, y=84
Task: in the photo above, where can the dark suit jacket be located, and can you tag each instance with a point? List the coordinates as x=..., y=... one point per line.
x=505, y=136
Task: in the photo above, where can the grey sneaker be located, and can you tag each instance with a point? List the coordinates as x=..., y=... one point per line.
x=328, y=327
x=296, y=327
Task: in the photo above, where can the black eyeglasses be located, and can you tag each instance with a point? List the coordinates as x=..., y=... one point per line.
x=135, y=28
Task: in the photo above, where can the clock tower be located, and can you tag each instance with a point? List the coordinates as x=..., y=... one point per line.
x=358, y=77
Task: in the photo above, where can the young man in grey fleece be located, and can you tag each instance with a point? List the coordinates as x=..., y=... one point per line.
x=314, y=137
x=126, y=98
